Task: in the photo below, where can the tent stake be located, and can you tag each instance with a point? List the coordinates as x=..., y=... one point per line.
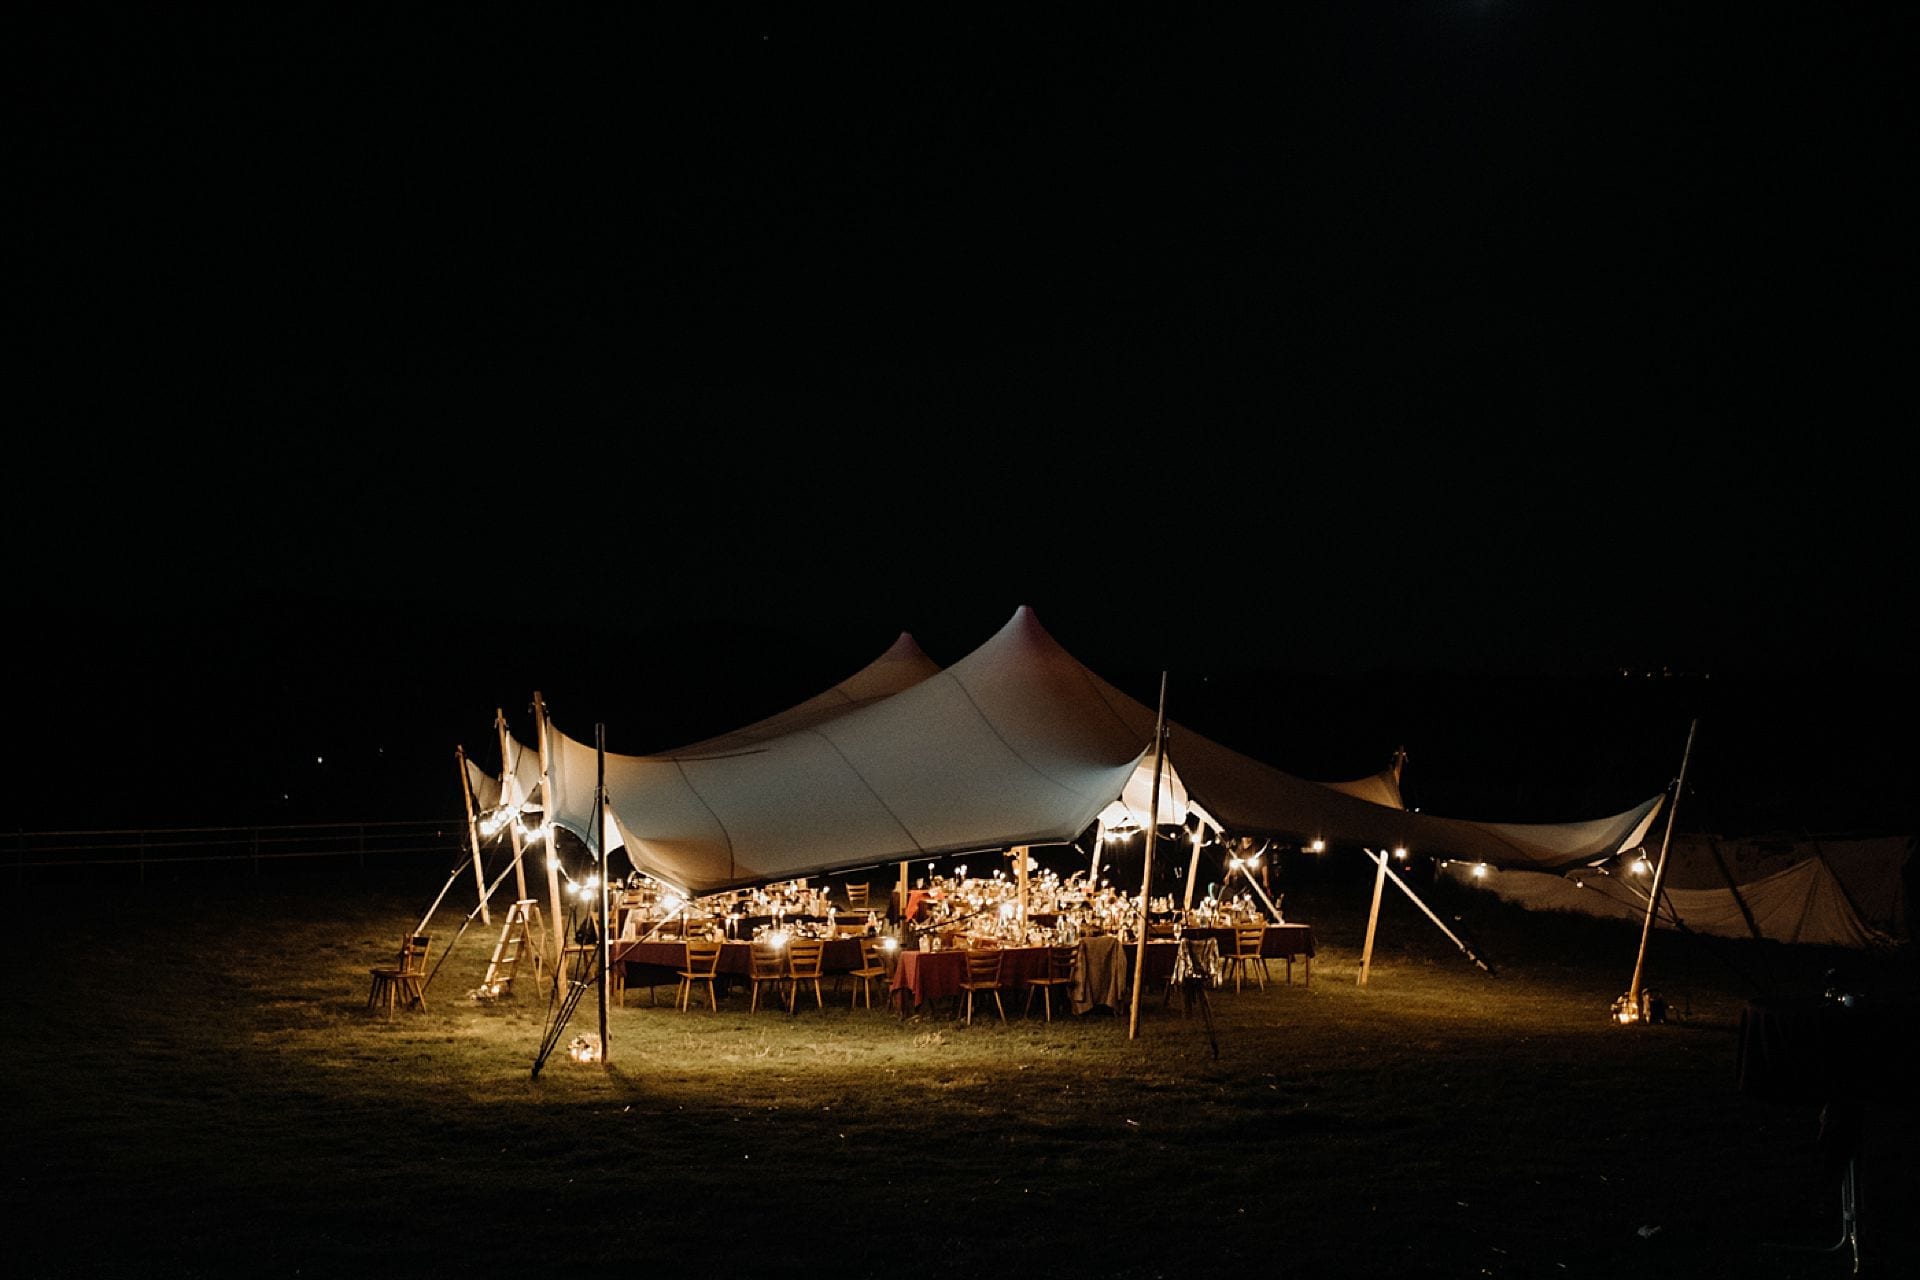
x=1659, y=873
x=1146, y=869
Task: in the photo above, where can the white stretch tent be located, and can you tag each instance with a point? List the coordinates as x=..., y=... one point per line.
x=902, y=666
x=1015, y=744
x=1837, y=892
x=1379, y=788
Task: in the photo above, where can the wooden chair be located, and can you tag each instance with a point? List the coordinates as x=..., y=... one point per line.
x=703, y=965
x=766, y=966
x=873, y=968
x=805, y=957
x=1248, y=940
x=631, y=900
x=984, y=968
x=403, y=983
x=1061, y=961
x=857, y=896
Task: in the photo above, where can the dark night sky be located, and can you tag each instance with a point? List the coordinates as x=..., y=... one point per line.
x=1386, y=374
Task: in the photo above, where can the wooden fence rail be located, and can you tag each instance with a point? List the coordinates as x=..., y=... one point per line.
x=142, y=851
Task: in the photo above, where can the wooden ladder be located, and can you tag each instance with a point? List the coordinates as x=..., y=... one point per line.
x=518, y=937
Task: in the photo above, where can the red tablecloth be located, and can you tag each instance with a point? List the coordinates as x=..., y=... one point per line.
x=657, y=963
x=922, y=977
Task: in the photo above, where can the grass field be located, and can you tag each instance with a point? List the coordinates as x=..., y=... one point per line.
x=196, y=1088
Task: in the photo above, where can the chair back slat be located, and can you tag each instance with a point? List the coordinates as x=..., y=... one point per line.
x=767, y=961
x=984, y=966
x=703, y=955
x=1060, y=962
x=804, y=957
x=413, y=953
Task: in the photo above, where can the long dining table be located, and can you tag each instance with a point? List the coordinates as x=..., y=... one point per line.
x=923, y=978
x=658, y=964
x=1105, y=973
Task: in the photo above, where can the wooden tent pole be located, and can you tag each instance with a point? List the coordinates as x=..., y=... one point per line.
x=1659, y=873
x=600, y=830
x=1373, y=920
x=1405, y=888
x=551, y=826
x=1193, y=865
x=509, y=783
x=1146, y=869
x=1261, y=893
x=1020, y=874
x=438, y=899
x=1093, y=868
x=473, y=833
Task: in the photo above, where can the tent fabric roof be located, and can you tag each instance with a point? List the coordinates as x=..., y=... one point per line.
x=902, y=666
x=1800, y=901
x=1871, y=871
x=1017, y=743
x=1251, y=798
x=522, y=779
x=1378, y=788
x=1011, y=745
